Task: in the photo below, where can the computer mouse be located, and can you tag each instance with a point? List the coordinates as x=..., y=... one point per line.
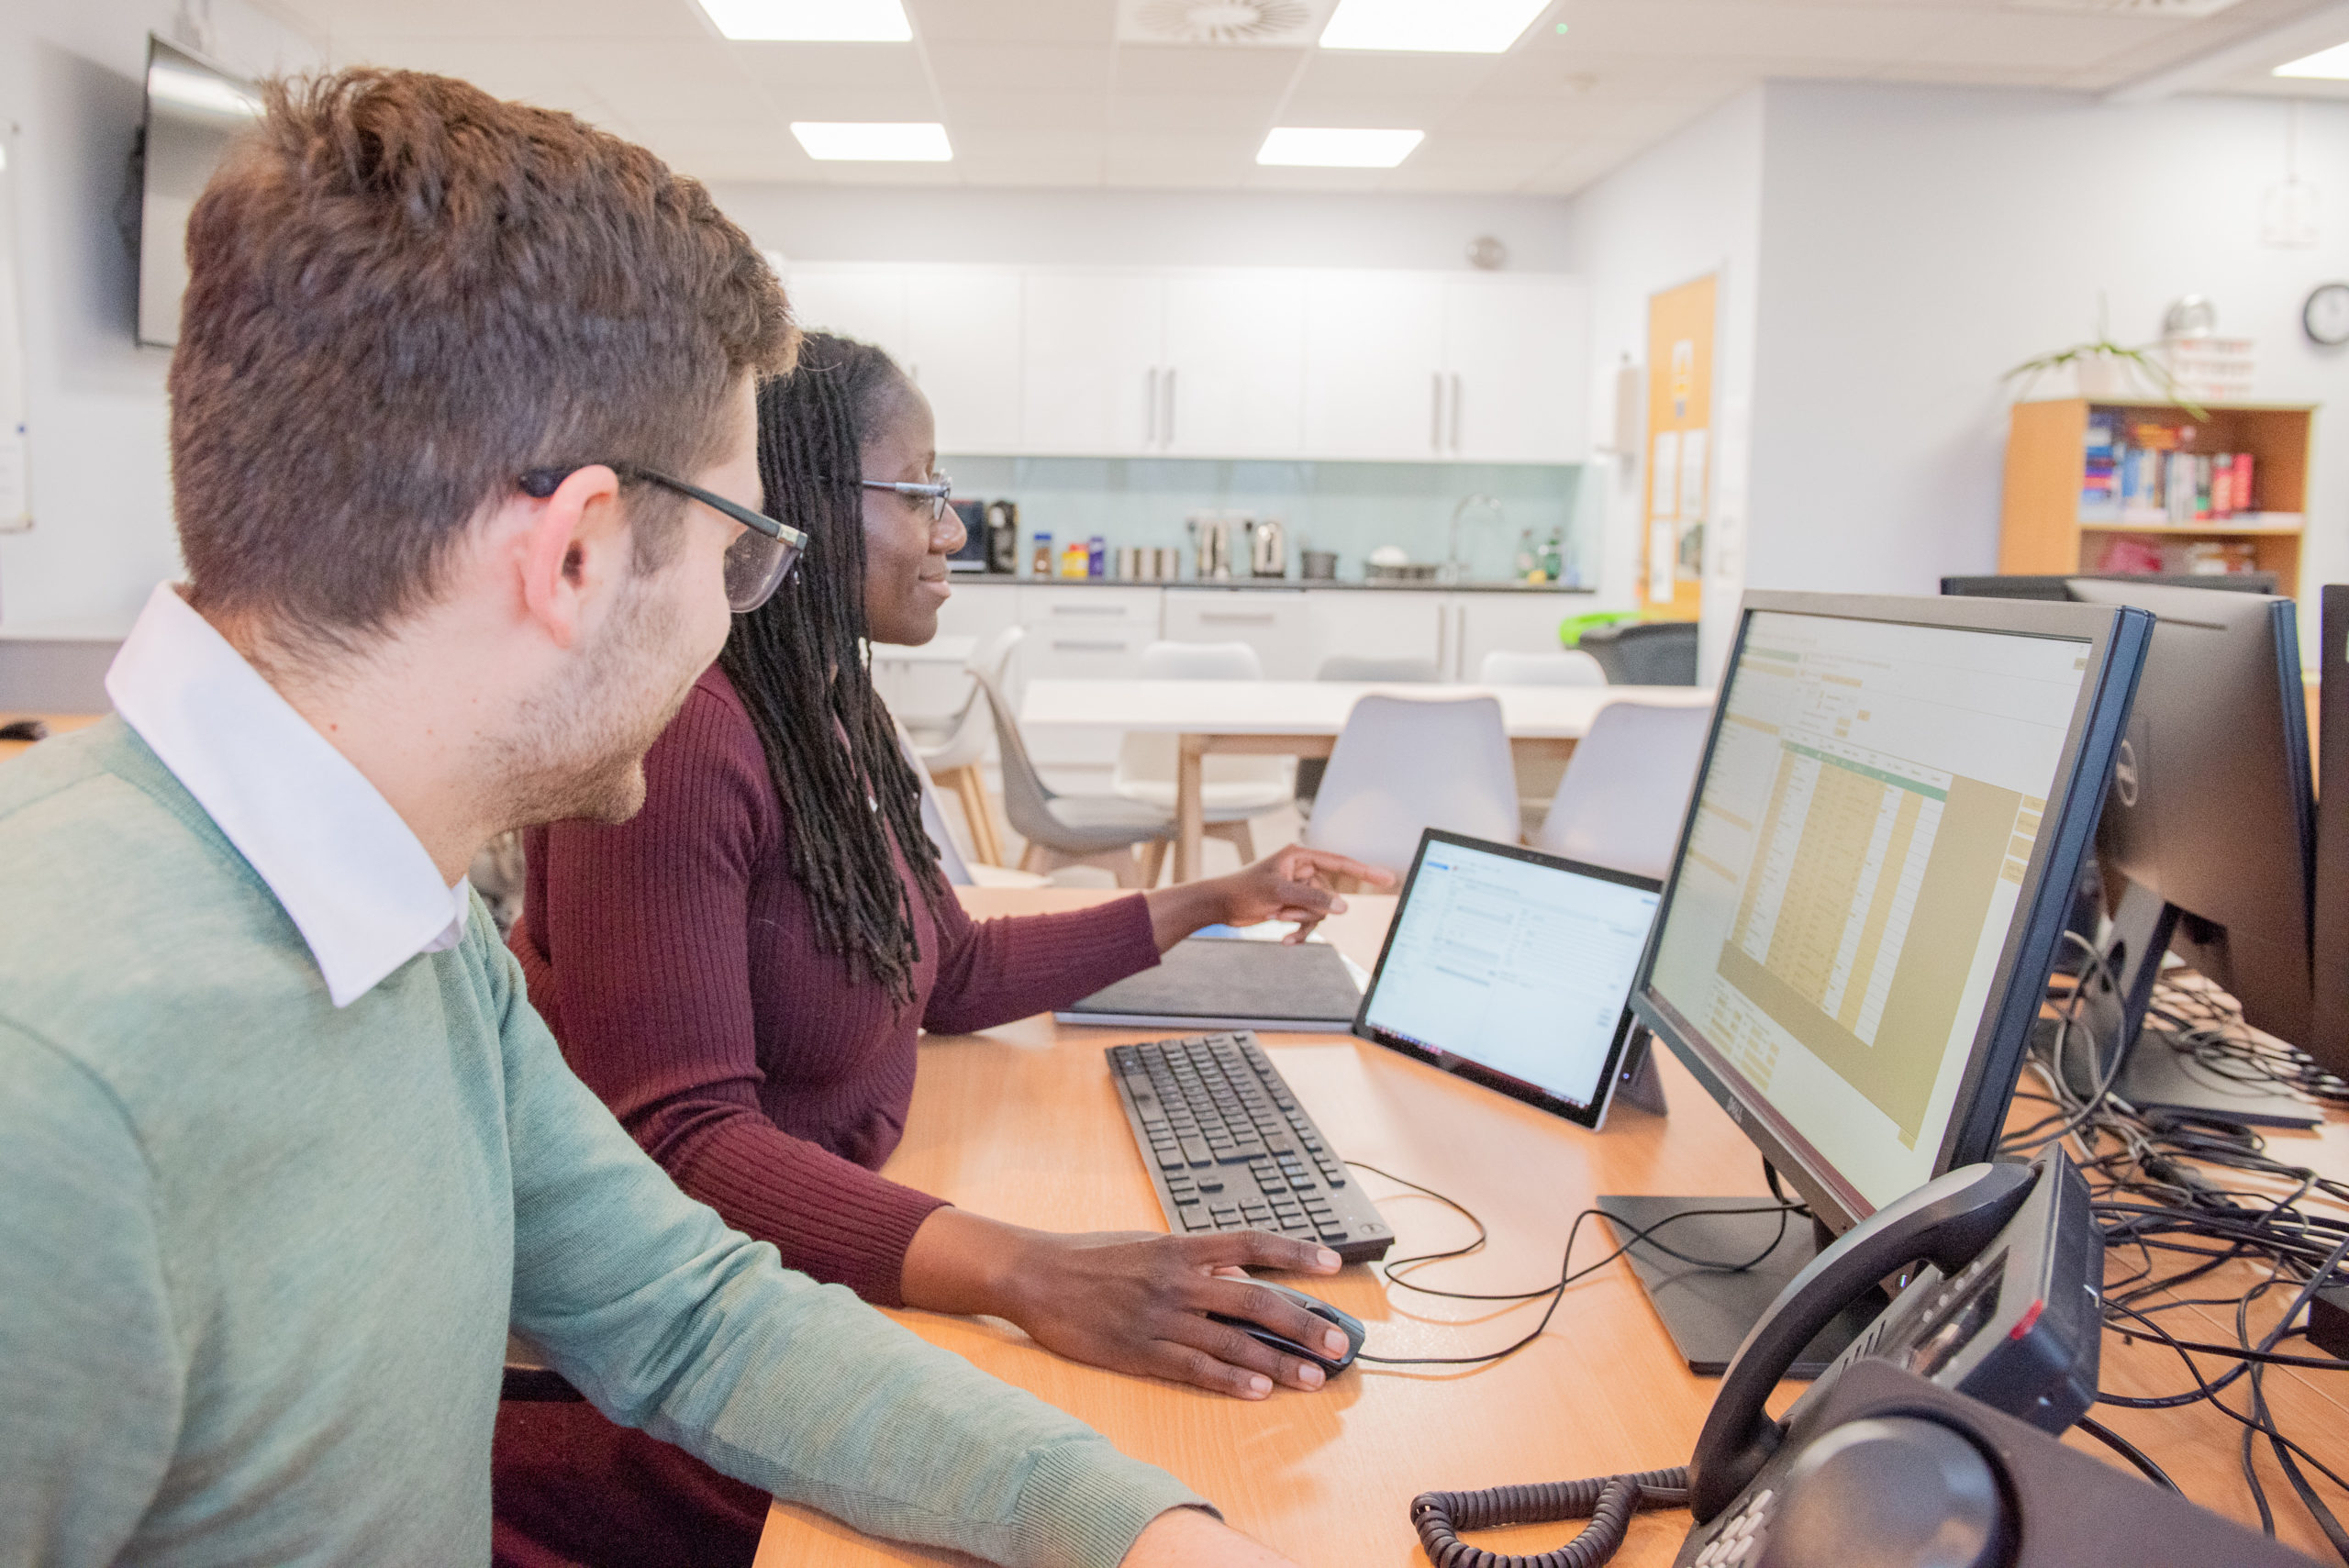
x=24, y=729
x=1351, y=1326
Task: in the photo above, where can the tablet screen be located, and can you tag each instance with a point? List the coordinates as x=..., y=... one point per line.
x=1513, y=962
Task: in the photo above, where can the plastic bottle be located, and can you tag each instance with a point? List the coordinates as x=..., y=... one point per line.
x=1042, y=564
x=1553, y=556
x=1096, y=557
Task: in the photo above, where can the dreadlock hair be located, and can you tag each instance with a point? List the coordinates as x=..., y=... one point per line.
x=799, y=666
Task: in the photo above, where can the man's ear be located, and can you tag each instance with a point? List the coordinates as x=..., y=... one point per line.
x=574, y=552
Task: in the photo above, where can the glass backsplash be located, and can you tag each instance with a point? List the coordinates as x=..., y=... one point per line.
x=1349, y=507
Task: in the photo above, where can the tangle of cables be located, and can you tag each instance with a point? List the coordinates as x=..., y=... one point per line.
x=2199, y=1215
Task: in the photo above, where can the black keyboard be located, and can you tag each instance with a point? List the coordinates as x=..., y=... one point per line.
x=1230, y=1149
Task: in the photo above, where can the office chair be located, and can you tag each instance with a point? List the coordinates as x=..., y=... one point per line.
x=1073, y=829
x=1645, y=652
x=1626, y=788
x=957, y=759
x=1349, y=667
x=1570, y=668
x=1402, y=764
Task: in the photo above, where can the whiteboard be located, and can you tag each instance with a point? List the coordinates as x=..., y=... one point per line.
x=16, y=492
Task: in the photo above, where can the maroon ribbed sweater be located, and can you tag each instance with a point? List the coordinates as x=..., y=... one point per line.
x=676, y=961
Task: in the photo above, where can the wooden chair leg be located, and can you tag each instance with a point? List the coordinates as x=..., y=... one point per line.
x=971, y=789
x=1033, y=859
x=1153, y=862
x=1125, y=866
x=1239, y=835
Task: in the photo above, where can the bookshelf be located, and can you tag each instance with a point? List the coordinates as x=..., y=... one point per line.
x=2042, y=529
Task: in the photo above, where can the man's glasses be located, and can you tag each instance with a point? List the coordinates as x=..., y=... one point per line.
x=756, y=563
x=935, y=492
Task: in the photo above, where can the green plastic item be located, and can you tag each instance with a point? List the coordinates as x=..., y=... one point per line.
x=1570, y=630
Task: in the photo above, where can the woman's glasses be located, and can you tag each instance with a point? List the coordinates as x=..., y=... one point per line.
x=935, y=492
x=756, y=563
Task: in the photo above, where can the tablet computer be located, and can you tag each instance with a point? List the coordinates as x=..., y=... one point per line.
x=1513, y=968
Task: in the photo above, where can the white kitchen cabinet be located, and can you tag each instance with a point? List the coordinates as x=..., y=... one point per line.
x=1235, y=363
x=850, y=300
x=1092, y=362
x=1515, y=377
x=1510, y=622
x=1382, y=623
x=1277, y=622
x=1083, y=633
x=1374, y=384
x=962, y=343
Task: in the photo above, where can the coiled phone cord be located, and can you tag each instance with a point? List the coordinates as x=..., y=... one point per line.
x=1606, y=1501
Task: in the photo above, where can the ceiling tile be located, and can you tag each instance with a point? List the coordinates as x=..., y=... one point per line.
x=1022, y=68
x=1219, y=73
x=1014, y=21
x=1180, y=112
x=1346, y=73
x=832, y=65
x=970, y=108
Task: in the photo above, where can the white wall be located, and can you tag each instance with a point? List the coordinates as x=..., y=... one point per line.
x=1917, y=242
x=1177, y=229
x=1690, y=206
x=70, y=78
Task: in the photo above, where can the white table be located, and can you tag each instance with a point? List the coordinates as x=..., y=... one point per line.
x=1301, y=719
x=936, y=651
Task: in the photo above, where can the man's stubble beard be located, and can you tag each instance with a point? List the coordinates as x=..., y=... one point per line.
x=578, y=751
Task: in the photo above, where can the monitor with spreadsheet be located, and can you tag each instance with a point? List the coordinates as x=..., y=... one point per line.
x=1883, y=837
x=1511, y=968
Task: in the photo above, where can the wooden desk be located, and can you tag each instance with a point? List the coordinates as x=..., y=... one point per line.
x=1302, y=719
x=58, y=724
x=1022, y=1123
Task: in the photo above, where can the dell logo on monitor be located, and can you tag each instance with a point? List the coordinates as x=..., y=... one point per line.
x=2124, y=774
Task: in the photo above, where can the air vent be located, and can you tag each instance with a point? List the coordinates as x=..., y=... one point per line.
x=1279, y=24
x=2180, y=10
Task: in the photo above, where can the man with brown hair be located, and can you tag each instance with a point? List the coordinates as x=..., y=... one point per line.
x=462, y=438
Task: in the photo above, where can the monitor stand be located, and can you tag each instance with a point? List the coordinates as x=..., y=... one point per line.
x=1637, y=1081
x=2155, y=1076
x=1707, y=1311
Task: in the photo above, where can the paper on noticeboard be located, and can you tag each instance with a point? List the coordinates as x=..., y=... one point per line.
x=1664, y=475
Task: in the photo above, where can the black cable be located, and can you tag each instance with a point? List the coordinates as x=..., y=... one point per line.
x=1606, y=1501
x=2130, y=1451
x=1567, y=1273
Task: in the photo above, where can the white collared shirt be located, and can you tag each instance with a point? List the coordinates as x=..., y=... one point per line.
x=351, y=875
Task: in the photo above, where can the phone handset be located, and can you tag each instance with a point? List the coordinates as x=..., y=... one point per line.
x=1946, y=1222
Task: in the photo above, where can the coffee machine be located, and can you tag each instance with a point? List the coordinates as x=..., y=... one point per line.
x=1002, y=537
x=1268, y=548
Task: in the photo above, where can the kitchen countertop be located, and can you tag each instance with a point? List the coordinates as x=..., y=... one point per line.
x=978, y=579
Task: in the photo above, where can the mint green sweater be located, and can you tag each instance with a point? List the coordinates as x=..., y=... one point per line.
x=258, y=1256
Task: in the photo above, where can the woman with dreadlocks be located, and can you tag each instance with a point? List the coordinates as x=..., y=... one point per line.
x=742, y=972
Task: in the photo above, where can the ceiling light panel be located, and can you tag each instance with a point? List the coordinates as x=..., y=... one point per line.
x=1309, y=147
x=2325, y=64
x=811, y=21
x=1452, y=26
x=835, y=141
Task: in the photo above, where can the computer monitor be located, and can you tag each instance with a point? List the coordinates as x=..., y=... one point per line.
x=1861, y=916
x=2208, y=835
x=2056, y=587
x=2328, y=1037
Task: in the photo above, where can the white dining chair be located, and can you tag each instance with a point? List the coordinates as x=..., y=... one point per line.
x=1231, y=789
x=1402, y=764
x=1571, y=667
x=957, y=759
x=1626, y=788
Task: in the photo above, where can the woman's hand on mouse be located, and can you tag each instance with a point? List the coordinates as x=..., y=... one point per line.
x=1131, y=1301
x=1295, y=883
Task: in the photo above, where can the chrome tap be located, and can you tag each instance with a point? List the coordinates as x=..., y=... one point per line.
x=1451, y=562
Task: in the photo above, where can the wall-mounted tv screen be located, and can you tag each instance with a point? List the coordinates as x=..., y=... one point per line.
x=195, y=110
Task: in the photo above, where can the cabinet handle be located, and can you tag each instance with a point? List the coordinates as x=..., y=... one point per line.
x=1117, y=610
x=1455, y=413
x=1170, y=407
x=1435, y=411
x=1236, y=617
x=1083, y=645
x=1150, y=398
